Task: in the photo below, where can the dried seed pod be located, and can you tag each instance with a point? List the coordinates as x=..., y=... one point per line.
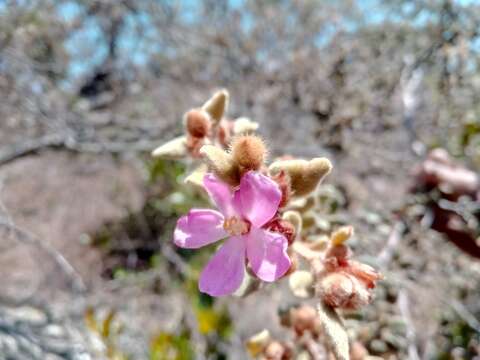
x=304, y=175
x=248, y=152
x=173, y=149
x=221, y=164
x=197, y=123
x=216, y=106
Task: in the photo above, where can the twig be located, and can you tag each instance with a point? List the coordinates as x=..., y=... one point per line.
x=22, y=235
x=466, y=315
x=386, y=254
x=403, y=303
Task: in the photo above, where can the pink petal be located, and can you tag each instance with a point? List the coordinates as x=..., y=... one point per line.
x=224, y=273
x=267, y=254
x=198, y=228
x=220, y=193
x=257, y=199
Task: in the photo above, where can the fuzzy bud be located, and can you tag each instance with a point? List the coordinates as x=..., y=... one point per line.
x=248, y=152
x=304, y=175
x=221, y=164
x=197, y=123
x=336, y=289
x=216, y=106
x=341, y=235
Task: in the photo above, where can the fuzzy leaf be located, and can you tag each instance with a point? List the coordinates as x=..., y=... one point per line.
x=335, y=332
x=173, y=149
x=217, y=105
x=196, y=177
x=304, y=175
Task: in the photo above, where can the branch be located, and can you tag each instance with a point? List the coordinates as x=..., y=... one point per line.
x=77, y=283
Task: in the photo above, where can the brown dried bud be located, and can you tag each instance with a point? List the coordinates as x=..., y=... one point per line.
x=248, y=152
x=197, y=123
x=304, y=175
x=283, y=227
x=364, y=273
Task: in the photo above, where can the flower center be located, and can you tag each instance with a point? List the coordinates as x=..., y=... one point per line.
x=235, y=226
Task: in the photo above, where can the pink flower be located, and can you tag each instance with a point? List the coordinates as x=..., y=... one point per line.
x=242, y=214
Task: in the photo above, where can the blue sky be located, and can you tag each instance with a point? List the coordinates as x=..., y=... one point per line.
x=90, y=36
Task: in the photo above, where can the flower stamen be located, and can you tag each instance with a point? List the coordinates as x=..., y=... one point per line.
x=236, y=226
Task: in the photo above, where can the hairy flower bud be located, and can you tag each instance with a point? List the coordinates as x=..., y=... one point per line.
x=336, y=289
x=197, y=123
x=249, y=152
x=304, y=175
